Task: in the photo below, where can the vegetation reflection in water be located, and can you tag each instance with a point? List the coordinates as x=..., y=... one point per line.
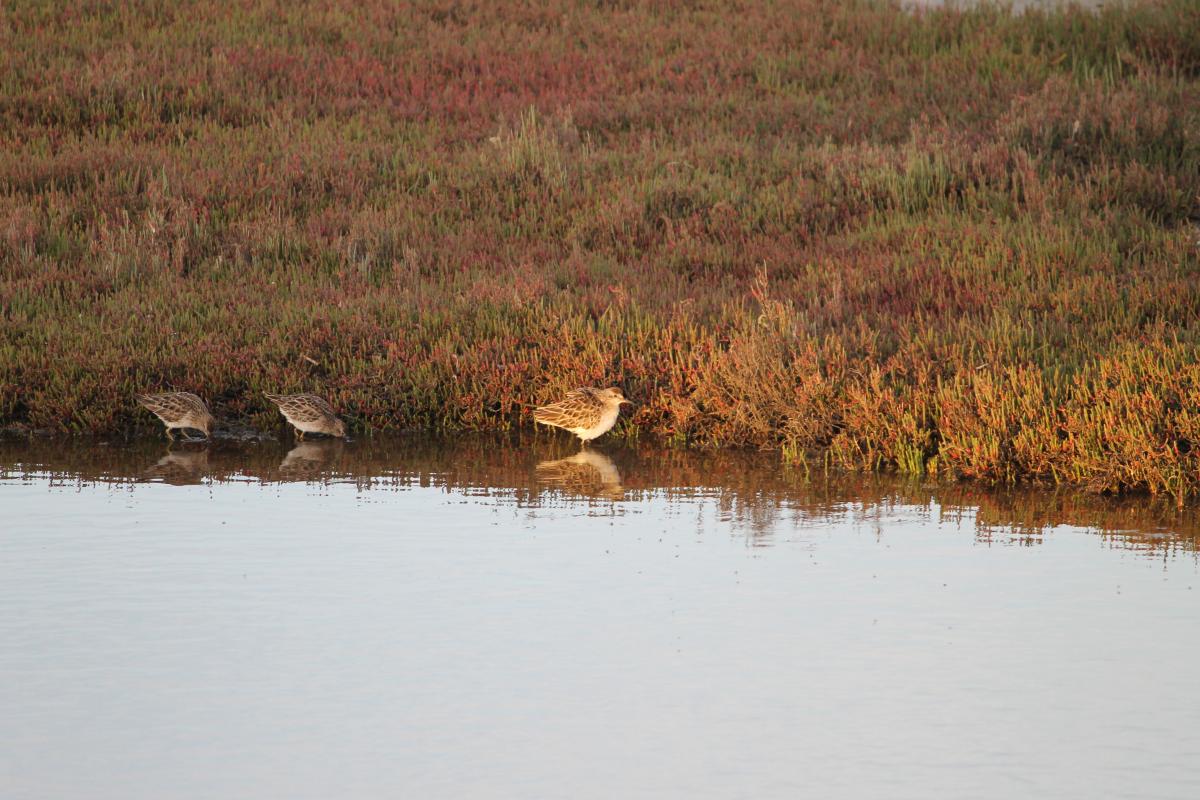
x=752, y=490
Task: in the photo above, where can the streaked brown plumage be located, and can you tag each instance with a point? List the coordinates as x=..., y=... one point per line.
x=308, y=413
x=585, y=412
x=179, y=410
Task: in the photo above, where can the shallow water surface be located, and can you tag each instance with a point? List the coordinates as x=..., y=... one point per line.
x=479, y=619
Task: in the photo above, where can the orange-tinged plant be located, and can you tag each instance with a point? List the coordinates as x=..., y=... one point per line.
x=951, y=241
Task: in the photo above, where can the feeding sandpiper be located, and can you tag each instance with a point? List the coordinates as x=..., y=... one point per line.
x=179, y=410
x=308, y=413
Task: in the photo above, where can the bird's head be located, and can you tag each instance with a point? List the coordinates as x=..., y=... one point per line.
x=615, y=395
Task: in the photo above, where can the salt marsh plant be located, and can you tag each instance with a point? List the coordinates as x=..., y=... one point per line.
x=952, y=241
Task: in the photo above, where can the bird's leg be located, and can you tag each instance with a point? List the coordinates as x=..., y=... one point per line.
x=299, y=435
x=170, y=434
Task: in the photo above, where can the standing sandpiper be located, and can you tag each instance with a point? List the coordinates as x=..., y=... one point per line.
x=585, y=412
x=309, y=414
x=179, y=410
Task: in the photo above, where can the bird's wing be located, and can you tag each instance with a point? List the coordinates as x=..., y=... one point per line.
x=169, y=406
x=190, y=402
x=307, y=408
x=579, y=409
x=319, y=404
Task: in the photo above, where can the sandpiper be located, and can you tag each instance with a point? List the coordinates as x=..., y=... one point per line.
x=585, y=412
x=308, y=413
x=179, y=410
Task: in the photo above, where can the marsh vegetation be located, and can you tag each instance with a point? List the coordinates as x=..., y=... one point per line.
x=958, y=242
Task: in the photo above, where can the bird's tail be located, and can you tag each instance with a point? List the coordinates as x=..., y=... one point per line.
x=547, y=415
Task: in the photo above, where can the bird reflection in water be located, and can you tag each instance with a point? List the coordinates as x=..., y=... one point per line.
x=180, y=466
x=310, y=457
x=588, y=473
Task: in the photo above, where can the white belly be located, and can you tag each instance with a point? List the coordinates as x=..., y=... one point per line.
x=306, y=425
x=607, y=420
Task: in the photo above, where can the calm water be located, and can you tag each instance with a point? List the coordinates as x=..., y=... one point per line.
x=486, y=620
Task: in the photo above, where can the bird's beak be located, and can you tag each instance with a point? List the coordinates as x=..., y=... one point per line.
x=627, y=402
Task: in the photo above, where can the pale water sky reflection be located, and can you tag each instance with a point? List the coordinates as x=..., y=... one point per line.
x=471, y=620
